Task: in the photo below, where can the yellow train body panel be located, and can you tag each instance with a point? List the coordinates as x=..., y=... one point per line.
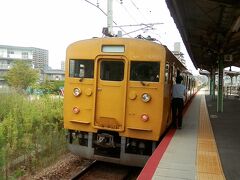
x=116, y=105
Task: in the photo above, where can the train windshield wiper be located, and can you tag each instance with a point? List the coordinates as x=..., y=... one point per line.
x=81, y=79
x=143, y=83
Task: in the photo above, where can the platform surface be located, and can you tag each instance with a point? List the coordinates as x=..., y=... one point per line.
x=207, y=147
x=226, y=128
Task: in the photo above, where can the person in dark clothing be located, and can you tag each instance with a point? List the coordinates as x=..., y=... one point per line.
x=178, y=96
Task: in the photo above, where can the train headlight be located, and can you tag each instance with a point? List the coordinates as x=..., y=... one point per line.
x=145, y=117
x=75, y=110
x=146, y=97
x=77, y=92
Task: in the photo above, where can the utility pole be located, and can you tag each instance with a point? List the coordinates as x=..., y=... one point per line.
x=110, y=16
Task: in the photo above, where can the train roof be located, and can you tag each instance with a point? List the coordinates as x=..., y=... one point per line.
x=119, y=40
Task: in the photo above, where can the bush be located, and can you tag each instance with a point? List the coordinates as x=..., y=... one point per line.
x=31, y=130
x=48, y=87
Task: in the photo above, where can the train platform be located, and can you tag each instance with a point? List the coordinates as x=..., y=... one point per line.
x=207, y=147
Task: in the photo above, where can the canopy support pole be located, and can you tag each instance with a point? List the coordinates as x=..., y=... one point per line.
x=220, y=84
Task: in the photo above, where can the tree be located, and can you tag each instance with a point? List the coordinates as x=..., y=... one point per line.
x=52, y=87
x=21, y=75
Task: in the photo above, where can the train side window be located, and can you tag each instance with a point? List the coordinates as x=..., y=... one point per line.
x=174, y=73
x=166, y=72
x=170, y=72
x=189, y=84
x=81, y=68
x=112, y=70
x=145, y=71
x=184, y=80
x=178, y=72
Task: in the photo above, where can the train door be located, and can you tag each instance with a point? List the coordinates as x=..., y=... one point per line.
x=167, y=95
x=110, y=94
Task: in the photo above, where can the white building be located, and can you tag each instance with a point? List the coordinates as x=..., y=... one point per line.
x=63, y=65
x=8, y=54
x=178, y=54
x=53, y=75
x=38, y=57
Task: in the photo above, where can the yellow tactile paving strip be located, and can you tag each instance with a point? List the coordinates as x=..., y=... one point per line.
x=208, y=162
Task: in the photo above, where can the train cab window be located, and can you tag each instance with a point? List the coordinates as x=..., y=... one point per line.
x=145, y=71
x=81, y=68
x=112, y=70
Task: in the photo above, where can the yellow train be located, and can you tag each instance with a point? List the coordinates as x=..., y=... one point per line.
x=117, y=97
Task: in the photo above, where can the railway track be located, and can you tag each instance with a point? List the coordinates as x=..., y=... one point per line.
x=74, y=168
x=81, y=173
x=107, y=171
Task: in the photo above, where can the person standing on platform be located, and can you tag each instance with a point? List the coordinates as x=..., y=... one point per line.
x=178, y=97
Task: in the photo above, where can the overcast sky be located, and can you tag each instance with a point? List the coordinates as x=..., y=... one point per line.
x=54, y=24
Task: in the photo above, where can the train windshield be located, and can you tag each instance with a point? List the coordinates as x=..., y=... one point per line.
x=81, y=68
x=112, y=70
x=145, y=71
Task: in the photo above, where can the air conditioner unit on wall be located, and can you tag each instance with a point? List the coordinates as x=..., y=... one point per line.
x=228, y=57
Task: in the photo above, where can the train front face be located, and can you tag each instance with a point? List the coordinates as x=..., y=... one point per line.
x=113, y=99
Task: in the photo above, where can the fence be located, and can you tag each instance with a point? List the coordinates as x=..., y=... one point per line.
x=232, y=90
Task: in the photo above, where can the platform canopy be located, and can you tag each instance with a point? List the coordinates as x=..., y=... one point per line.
x=210, y=29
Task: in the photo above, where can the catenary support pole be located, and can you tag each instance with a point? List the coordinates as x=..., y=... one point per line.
x=220, y=84
x=212, y=83
x=110, y=16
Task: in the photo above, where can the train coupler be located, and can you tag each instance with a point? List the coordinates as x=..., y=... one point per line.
x=105, y=140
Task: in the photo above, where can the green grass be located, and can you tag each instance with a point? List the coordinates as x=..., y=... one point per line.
x=31, y=130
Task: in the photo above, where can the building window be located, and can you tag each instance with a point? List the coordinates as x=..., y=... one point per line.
x=1, y=53
x=9, y=53
x=25, y=55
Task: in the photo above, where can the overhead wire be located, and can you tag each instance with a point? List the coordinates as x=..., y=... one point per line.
x=148, y=26
x=140, y=12
x=141, y=24
x=138, y=9
x=97, y=6
x=125, y=8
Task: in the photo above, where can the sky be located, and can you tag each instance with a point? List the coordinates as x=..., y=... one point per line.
x=54, y=24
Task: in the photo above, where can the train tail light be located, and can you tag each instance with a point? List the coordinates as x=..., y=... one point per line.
x=144, y=117
x=75, y=110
